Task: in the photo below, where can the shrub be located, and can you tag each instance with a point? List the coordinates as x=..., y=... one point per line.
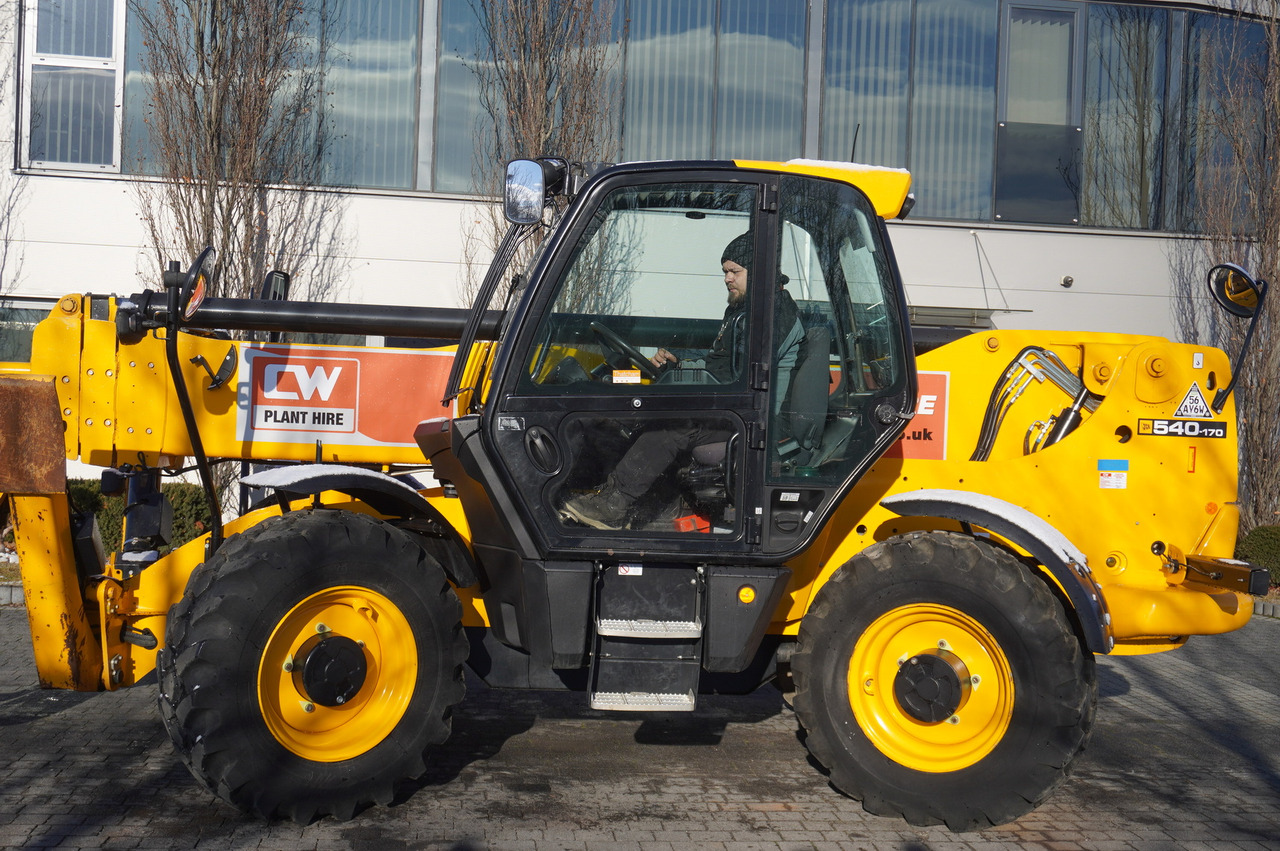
x=1262, y=547
x=190, y=514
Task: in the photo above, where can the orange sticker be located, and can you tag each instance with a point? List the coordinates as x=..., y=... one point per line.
x=352, y=396
x=926, y=434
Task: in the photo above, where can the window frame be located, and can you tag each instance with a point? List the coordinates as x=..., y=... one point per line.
x=33, y=59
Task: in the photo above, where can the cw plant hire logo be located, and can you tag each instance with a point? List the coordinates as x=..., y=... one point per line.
x=305, y=394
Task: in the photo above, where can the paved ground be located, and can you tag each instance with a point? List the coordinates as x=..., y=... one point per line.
x=1185, y=754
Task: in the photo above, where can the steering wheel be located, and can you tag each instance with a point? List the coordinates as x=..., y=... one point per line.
x=627, y=350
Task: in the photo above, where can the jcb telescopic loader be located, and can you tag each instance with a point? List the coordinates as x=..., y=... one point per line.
x=634, y=491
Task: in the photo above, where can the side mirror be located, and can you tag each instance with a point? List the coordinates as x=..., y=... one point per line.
x=195, y=286
x=1240, y=295
x=1234, y=289
x=275, y=286
x=526, y=192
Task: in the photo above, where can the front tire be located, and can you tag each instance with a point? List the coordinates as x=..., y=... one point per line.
x=310, y=665
x=939, y=680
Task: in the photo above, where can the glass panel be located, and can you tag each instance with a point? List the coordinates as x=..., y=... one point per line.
x=864, y=105
x=372, y=79
x=1124, y=111
x=838, y=280
x=1038, y=174
x=72, y=115
x=135, y=143
x=459, y=114
x=1225, y=132
x=671, y=65
x=643, y=301
x=641, y=311
x=953, y=108
x=75, y=27
x=760, y=79
x=1039, y=69
x=666, y=474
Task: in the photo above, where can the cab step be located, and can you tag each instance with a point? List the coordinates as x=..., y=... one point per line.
x=647, y=653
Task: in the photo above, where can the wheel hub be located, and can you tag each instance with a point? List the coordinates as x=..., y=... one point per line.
x=332, y=671
x=932, y=686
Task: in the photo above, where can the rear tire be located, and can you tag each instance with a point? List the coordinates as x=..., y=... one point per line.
x=310, y=665
x=939, y=680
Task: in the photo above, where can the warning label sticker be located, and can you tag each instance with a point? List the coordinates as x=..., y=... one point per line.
x=1193, y=405
x=1113, y=474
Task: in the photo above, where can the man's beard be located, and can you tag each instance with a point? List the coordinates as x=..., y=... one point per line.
x=736, y=297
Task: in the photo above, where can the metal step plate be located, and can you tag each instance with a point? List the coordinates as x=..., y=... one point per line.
x=643, y=628
x=643, y=702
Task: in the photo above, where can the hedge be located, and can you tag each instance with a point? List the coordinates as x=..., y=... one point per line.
x=190, y=513
x=1262, y=547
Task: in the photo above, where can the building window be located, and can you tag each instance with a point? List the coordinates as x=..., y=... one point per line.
x=72, y=91
x=372, y=80
x=1038, y=142
x=867, y=80
x=1124, y=117
x=703, y=85
x=953, y=108
x=914, y=85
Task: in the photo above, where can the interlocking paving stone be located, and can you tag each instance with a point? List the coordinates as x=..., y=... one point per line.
x=1185, y=754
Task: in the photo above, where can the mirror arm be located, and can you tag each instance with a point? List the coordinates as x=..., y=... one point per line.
x=1220, y=399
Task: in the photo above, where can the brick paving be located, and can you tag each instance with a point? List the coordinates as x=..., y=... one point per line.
x=1185, y=755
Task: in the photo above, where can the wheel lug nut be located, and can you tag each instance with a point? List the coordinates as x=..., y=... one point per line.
x=308, y=706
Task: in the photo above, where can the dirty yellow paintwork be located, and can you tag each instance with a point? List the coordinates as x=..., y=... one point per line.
x=1178, y=490
x=886, y=188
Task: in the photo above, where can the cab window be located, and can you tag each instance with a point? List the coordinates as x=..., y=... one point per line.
x=646, y=277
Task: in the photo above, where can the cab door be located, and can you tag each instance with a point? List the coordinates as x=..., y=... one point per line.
x=695, y=453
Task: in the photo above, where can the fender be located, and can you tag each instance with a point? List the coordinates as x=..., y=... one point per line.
x=1046, y=544
x=385, y=494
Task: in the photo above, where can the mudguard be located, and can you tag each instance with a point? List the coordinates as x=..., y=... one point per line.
x=383, y=493
x=1047, y=545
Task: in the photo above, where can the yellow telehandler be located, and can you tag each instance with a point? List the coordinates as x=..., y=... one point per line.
x=689, y=448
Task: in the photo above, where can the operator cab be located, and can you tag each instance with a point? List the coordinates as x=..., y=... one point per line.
x=758, y=415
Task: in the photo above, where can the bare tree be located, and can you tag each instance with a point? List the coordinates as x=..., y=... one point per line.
x=236, y=136
x=12, y=184
x=1233, y=198
x=549, y=85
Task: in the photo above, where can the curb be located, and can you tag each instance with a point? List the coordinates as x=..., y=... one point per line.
x=10, y=593
x=1267, y=610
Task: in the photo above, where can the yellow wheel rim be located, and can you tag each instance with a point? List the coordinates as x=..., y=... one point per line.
x=332, y=733
x=981, y=715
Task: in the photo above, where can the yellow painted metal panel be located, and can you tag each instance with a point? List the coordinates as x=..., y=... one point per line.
x=887, y=188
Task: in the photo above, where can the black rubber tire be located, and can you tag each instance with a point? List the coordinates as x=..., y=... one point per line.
x=1053, y=680
x=214, y=644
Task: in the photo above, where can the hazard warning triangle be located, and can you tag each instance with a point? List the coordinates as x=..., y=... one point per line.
x=1193, y=405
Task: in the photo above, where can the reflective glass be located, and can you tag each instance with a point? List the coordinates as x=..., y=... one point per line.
x=864, y=103
x=372, y=106
x=671, y=65
x=1039, y=74
x=953, y=108
x=75, y=27
x=648, y=268
x=459, y=113
x=760, y=80
x=1038, y=173
x=1124, y=112
x=1225, y=62
x=72, y=115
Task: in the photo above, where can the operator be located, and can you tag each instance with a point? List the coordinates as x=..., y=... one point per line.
x=654, y=452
